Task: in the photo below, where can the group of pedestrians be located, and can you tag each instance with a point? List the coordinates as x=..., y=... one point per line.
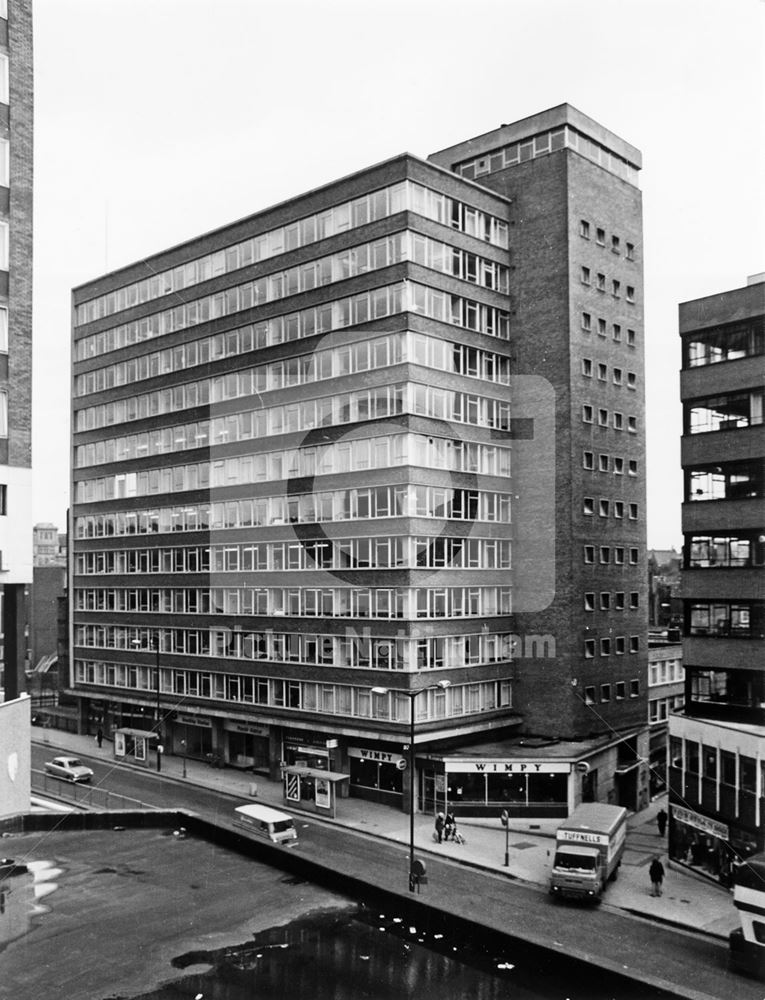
x=446, y=829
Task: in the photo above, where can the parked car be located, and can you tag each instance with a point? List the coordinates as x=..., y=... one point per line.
x=68, y=768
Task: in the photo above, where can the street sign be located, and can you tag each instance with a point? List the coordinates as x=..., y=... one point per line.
x=401, y=764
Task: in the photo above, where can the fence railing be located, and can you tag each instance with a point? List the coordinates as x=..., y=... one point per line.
x=83, y=795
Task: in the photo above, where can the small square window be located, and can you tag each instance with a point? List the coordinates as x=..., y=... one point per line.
x=617, y=376
x=585, y=276
x=619, y=600
x=634, y=599
x=634, y=688
x=631, y=380
x=616, y=332
x=588, y=460
x=619, y=555
x=589, y=649
x=603, y=417
x=633, y=512
x=632, y=425
x=601, y=328
x=630, y=338
x=619, y=509
x=605, y=647
x=618, y=466
x=620, y=645
x=587, y=413
x=633, y=557
x=605, y=692
x=589, y=602
x=618, y=421
x=584, y=229
x=616, y=287
x=587, y=367
x=634, y=643
x=602, y=372
x=621, y=690
x=630, y=252
x=601, y=282
x=589, y=553
x=605, y=600
x=603, y=508
x=601, y=236
x=586, y=322
x=605, y=554
x=589, y=694
x=615, y=244
x=588, y=505
x=632, y=467
x=630, y=293
x=603, y=463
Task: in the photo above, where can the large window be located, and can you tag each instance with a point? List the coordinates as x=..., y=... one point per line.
x=727, y=343
x=4, y=89
x=724, y=413
x=731, y=481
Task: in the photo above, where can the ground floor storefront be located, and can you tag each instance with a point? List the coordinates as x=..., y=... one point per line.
x=708, y=846
x=479, y=780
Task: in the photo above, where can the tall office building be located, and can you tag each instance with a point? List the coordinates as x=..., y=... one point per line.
x=381, y=439
x=15, y=332
x=717, y=760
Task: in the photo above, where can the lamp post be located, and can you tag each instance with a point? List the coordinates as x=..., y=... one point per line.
x=157, y=711
x=411, y=695
x=155, y=643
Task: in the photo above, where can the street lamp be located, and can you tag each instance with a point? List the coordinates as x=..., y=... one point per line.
x=157, y=711
x=411, y=695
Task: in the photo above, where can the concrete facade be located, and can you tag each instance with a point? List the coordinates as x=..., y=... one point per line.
x=16, y=121
x=717, y=762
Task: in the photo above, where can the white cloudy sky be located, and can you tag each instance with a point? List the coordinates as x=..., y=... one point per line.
x=157, y=120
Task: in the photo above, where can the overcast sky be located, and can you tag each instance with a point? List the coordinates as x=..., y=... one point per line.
x=157, y=120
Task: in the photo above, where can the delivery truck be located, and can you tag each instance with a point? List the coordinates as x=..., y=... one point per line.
x=588, y=851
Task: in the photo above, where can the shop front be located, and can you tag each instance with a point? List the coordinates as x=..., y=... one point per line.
x=303, y=749
x=486, y=787
x=246, y=745
x=377, y=775
x=701, y=843
x=191, y=736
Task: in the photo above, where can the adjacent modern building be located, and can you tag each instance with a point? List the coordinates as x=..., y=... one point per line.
x=374, y=458
x=15, y=334
x=717, y=744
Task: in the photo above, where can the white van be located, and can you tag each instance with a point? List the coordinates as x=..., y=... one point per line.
x=263, y=821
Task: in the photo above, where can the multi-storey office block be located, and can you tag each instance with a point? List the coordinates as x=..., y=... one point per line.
x=15, y=333
x=311, y=459
x=717, y=761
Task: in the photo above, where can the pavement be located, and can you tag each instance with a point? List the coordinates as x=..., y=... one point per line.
x=688, y=901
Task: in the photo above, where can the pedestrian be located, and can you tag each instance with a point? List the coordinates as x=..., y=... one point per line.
x=100, y=737
x=450, y=825
x=656, y=874
x=440, y=827
x=661, y=819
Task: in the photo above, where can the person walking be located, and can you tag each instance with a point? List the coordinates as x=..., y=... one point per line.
x=440, y=827
x=661, y=819
x=100, y=737
x=656, y=874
